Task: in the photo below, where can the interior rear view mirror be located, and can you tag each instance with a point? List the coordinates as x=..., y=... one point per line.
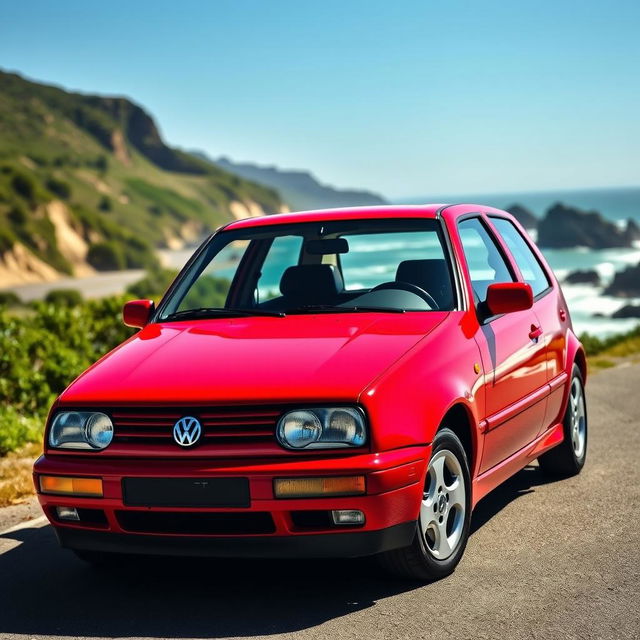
x=326, y=246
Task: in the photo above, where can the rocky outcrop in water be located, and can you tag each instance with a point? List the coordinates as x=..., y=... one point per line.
x=586, y=276
x=565, y=227
x=632, y=231
x=626, y=283
x=628, y=311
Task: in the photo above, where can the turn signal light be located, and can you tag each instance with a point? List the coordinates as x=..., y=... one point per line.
x=65, y=486
x=319, y=487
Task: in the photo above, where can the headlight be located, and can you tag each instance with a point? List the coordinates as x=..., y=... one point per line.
x=322, y=428
x=81, y=430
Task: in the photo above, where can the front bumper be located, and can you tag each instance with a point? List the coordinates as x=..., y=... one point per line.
x=394, y=485
x=344, y=545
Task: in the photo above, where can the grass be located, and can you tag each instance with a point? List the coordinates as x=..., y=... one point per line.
x=604, y=353
x=16, y=484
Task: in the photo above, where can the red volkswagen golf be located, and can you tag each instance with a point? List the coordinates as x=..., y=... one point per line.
x=330, y=383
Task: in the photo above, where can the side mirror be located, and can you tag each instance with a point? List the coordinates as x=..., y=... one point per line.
x=507, y=297
x=136, y=313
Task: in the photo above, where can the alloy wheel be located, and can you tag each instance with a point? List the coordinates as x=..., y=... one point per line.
x=578, y=417
x=442, y=512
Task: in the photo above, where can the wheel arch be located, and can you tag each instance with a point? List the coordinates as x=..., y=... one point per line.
x=576, y=355
x=580, y=359
x=461, y=421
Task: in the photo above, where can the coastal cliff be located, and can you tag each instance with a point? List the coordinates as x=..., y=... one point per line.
x=87, y=183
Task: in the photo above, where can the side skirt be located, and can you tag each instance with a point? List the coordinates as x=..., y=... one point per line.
x=495, y=476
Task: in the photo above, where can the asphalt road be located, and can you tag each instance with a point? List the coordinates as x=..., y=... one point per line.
x=545, y=560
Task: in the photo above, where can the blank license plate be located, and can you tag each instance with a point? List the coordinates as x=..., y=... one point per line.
x=186, y=492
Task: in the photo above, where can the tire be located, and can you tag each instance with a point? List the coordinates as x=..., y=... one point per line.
x=568, y=458
x=445, y=514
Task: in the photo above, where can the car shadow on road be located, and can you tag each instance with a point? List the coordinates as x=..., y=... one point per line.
x=45, y=590
x=519, y=485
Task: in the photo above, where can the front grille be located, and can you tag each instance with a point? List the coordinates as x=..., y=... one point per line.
x=220, y=425
x=189, y=523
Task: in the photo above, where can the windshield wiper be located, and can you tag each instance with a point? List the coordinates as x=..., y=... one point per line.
x=212, y=312
x=361, y=307
x=326, y=308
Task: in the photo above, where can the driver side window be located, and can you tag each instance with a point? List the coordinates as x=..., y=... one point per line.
x=484, y=260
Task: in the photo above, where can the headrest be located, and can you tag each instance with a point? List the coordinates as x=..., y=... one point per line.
x=317, y=283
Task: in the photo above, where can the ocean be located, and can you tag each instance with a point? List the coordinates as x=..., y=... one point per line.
x=617, y=204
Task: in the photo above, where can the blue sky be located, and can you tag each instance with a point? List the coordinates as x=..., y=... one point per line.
x=403, y=97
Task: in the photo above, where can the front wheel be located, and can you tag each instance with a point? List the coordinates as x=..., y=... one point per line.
x=568, y=458
x=445, y=514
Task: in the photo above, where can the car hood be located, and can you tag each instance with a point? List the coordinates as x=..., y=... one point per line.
x=252, y=360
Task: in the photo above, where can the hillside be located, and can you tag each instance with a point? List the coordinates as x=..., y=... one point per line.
x=299, y=189
x=87, y=183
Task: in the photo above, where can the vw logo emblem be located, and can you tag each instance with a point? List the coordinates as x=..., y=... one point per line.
x=187, y=431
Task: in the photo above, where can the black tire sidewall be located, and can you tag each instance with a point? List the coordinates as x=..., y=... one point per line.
x=579, y=462
x=447, y=439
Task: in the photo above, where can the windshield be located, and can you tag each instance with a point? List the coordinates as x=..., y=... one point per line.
x=312, y=267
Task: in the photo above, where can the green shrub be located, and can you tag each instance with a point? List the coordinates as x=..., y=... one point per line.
x=7, y=239
x=17, y=428
x=106, y=256
x=59, y=188
x=105, y=204
x=102, y=164
x=18, y=215
x=9, y=299
x=64, y=297
x=138, y=254
x=41, y=354
x=24, y=186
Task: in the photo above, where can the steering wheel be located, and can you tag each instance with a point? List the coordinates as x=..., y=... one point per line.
x=411, y=288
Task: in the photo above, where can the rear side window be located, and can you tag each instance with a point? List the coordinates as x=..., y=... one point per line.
x=526, y=260
x=485, y=262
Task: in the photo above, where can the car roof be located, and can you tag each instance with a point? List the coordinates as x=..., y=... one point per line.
x=369, y=213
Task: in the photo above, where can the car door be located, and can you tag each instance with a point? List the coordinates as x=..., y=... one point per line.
x=549, y=306
x=513, y=356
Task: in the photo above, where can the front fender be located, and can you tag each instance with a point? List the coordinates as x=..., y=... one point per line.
x=407, y=403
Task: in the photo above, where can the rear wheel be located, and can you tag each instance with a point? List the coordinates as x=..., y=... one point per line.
x=445, y=512
x=568, y=458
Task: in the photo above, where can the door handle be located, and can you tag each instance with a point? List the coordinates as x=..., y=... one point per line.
x=563, y=314
x=535, y=333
